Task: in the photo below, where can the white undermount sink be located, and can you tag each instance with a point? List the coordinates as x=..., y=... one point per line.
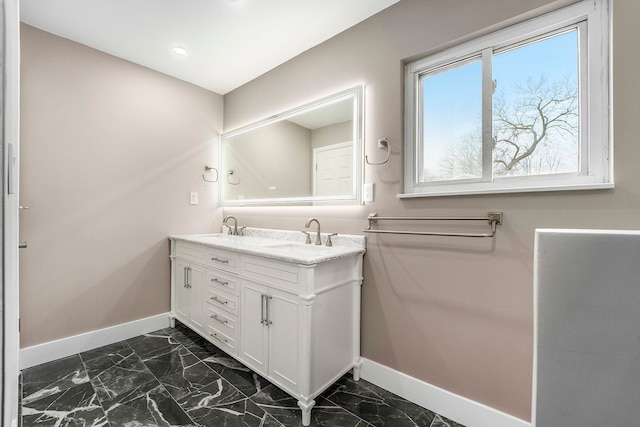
x=299, y=247
x=232, y=239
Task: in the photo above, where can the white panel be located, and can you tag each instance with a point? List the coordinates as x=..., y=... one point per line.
x=284, y=335
x=181, y=303
x=11, y=121
x=221, y=321
x=223, y=260
x=271, y=272
x=223, y=282
x=196, y=276
x=587, y=362
x=334, y=311
x=222, y=300
x=253, y=336
x=219, y=337
x=189, y=251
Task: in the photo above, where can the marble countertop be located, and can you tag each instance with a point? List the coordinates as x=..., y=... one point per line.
x=283, y=245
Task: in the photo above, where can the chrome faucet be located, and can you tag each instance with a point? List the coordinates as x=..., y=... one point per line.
x=308, y=224
x=233, y=231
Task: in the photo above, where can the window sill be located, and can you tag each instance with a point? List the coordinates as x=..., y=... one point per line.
x=440, y=192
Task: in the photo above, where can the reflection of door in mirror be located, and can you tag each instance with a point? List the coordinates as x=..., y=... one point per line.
x=333, y=171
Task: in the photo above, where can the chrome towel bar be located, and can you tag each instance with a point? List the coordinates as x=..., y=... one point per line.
x=492, y=218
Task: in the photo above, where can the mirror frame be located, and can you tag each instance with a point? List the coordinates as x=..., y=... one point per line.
x=357, y=95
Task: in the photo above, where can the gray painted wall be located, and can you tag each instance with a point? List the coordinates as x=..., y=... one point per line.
x=110, y=153
x=457, y=314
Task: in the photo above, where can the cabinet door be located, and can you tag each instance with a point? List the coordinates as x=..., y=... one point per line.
x=283, y=338
x=181, y=291
x=196, y=289
x=253, y=331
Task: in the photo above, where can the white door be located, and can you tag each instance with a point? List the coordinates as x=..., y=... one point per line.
x=254, y=333
x=196, y=300
x=333, y=171
x=9, y=213
x=182, y=292
x=283, y=338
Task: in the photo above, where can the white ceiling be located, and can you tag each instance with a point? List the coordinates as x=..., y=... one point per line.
x=228, y=42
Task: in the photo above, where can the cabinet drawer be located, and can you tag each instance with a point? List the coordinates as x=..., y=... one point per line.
x=223, y=260
x=222, y=300
x=222, y=321
x=222, y=341
x=223, y=282
x=189, y=251
x=271, y=272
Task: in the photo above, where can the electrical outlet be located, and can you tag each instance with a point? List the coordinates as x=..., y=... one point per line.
x=194, y=198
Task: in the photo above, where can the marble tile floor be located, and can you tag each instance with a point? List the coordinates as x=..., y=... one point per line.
x=173, y=377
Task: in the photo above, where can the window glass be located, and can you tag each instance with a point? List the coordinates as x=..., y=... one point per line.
x=535, y=108
x=452, y=123
x=526, y=108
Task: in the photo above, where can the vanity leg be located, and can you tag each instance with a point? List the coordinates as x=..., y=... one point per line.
x=356, y=370
x=306, y=411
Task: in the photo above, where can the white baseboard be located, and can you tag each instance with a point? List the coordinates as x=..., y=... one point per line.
x=460, y=409
x=49, y=351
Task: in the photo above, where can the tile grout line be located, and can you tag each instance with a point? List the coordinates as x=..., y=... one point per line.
x=162, y=385
x=346, y=410
x=145, y=366
x=104, y=411
x=201, y=361
x=268, y=415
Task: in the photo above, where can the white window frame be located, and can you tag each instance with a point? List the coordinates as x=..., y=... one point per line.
x=596, y=151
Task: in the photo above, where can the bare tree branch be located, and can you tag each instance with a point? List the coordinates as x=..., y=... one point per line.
x=539, y=116
x=535, y=131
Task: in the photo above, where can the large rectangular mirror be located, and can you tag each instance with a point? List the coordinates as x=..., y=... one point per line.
x=311, y=155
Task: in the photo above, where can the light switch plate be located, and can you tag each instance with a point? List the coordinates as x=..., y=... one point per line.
x=194, y=198
x=367, y=195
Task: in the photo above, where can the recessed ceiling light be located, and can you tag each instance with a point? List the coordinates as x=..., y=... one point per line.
x=178, y=50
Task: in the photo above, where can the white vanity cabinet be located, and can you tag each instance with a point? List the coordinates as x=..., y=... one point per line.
x=284, y=311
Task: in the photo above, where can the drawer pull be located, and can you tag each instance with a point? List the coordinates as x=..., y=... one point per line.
x=216, y=299
x=215, y=317
x=223, y=341
x=220, y=260
x=215, y=279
